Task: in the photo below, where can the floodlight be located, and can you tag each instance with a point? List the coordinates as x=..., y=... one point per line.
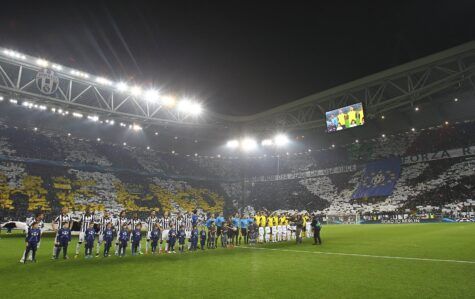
x=232, y=143
x=267, y=142
x=41, y=62
x=281, y=140
x=122, y=86
x=248, y=144
x=136, y=90
x=152, y=95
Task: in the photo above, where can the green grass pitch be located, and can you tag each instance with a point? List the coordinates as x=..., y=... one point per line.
x=282, y=270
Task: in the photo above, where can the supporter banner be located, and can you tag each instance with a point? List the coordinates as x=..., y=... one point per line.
x=446, y=154
x=303, y=175
x=379, y=178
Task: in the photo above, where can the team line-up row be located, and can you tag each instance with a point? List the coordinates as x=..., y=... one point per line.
x=200, y=231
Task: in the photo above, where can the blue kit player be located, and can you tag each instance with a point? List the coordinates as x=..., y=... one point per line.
x=63, y=237
x=107, y=238
x=32, y=239
x=155, y=236
x=194, y=238
x=90, y=236
x=136, y=238
x=171, y=239
x=124, y=237
x=181, y=239
x=203, y=238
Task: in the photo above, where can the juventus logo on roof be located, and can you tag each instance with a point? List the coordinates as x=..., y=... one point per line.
x=47, y=81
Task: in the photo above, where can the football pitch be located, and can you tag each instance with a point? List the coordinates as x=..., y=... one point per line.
x=355, y=261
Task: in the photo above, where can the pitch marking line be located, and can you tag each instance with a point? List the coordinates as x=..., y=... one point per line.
x=364, y=255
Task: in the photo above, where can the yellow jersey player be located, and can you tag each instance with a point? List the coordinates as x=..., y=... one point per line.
x=262, y=224
x=268, y=229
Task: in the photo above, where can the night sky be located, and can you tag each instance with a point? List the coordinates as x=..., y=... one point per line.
x=237, y=57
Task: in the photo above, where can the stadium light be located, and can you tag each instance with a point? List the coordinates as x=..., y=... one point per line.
x=413, y=129
x=125, y=143
x=383, y=135
x=333, y=146
x=122, y=86
x=41, y=62
x=123, y=125
x=1, y=99
x=94, y=118
x=281, y=140
x=35, y=129
x=456, y=100
x=136, y=127
x=78, y=115
x=104, y=81
x=248, y=144
x=148, y=147
x=13, y=101
x=188, y=106
x=14, y=54
x=57, y=67
x=168, y=101
x=446, y=122
x=416, y=109
x=309, y=150
x=382, y=117
x=136, y=91
x=152, y=96
x=98, y=139
x=357, y=141
x=267, y=142
x=69, y=134
x=232, y=143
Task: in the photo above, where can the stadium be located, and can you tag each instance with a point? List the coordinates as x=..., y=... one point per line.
x=114, y=187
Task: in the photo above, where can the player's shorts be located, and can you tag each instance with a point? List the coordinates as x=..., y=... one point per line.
x=149, y=234
x=218, y=231
x=101, y=238
x=267, y=230
x=165, y=234
x=261, y=231
x=188, y=234
x=244, y=231
x=274, y=230
x=279, y=229
x=81, y=237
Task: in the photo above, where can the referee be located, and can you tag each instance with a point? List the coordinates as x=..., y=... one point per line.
x=317, y=227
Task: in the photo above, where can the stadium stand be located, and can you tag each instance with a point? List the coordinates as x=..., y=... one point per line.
x=41, y=170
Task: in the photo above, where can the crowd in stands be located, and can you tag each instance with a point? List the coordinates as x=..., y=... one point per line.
x=40, y=170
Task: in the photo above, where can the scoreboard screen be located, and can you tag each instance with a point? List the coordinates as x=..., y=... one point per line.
x=345, y=117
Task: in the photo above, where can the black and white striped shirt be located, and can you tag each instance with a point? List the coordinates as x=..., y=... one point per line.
x=174, y=221
x=85, y=221
x=120, y=222
x=188, y=222
x=104, y=222
x=164, y=222
x=134, y=222
x=61, y=220
x=151, y=223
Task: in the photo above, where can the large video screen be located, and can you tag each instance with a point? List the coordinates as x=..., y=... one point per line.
x=345, y=118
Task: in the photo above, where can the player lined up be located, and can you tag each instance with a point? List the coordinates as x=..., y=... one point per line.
x=163, y=233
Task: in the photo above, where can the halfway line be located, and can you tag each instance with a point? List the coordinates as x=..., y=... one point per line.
x=365, y=255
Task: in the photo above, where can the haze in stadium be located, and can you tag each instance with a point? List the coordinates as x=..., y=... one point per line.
x=240, y=150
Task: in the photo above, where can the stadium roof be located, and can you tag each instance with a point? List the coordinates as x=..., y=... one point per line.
x=404, y=85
